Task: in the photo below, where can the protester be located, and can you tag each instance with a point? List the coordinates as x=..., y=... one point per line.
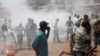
x=56, y=30
x=33, y=28
x=96, y=34
x=20, y=31
x=77, y=23
x=28, y=25
x=39, y=42
x=96, y=30
x=69, y=24
x=80, y=41
x=10, y=41
x=89, y=30
x=30, y=31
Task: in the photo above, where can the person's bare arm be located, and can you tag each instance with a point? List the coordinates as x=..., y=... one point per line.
x=14, y=39
x=48, y=31
x=90, y=50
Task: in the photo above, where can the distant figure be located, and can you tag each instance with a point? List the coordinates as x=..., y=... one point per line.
x=96, y=34
x=30, y=31
x=56, y=35
x=69, y=24
x=28, y=25
x=10, y=41
x=33, y=28
x=39, y=42
x=20, y=31
x=77, y=23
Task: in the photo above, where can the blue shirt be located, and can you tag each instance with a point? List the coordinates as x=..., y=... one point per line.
x=39, y=43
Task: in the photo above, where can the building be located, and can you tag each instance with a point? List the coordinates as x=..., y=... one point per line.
x=68, y=5
x=37, y=2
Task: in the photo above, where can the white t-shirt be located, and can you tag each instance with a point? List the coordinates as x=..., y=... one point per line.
x=9, y=37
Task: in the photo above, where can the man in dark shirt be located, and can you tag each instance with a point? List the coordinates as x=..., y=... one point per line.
x=39, y=42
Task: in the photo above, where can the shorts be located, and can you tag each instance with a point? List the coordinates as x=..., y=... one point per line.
x=78, y=53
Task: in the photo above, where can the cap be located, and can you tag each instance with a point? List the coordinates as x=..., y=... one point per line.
x=43, y=23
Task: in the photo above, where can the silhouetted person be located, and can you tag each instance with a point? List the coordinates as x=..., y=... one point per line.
x=56, y=35
x=33, y=28
x=20, y=31
x=88, y=26
x=77, y=23
x=28, y=33
x=96, y=34
x=10, y=41
x=69, y=24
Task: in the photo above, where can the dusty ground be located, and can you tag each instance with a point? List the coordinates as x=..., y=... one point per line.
x=54, y=49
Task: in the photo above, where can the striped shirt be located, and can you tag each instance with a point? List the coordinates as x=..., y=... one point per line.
x=80, y=38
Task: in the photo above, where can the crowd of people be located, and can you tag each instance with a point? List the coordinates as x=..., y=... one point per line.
x=13, y=42
x=86, y=30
